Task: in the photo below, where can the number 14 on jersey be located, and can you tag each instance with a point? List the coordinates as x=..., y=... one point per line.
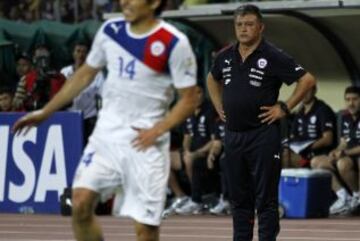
x=127, y=69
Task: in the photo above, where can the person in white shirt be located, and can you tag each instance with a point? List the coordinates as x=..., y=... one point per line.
x=87, y=101
x=129, y=148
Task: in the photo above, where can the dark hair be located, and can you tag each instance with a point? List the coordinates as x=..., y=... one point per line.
x=82, y=43
x=248, y=9
x=352, y=90
x=160, y=8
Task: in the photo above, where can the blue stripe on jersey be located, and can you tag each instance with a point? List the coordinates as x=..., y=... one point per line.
x=172, y=44
x=117, y=32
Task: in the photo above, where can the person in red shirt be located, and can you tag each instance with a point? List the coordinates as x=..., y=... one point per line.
x=43, y=82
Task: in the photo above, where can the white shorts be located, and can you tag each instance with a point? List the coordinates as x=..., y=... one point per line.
x=139, y=179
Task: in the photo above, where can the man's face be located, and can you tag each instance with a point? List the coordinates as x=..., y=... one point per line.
x=23, y=67
x=352, y=102
x=5, y=102
x=80, y=52
x=248, y=28
x=137, y=10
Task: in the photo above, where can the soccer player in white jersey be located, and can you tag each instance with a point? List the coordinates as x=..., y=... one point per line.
x=129, y=147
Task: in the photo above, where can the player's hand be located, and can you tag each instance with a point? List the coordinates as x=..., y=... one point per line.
x=210, y=160
x=29, y=120
x=145, y=138
x=271, y=114
x=221, y=114
x=337, y=154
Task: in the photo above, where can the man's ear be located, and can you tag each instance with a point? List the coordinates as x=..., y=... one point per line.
x=262, y=27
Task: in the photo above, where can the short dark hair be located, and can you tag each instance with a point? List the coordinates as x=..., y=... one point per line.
x=352, y=90
x=248, y=9
x=160, y=8
x=82, y=43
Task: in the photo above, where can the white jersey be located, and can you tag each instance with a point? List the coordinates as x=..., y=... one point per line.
x=142, y=70
x=86, y=100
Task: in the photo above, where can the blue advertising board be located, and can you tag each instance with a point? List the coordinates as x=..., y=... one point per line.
x=36, y=166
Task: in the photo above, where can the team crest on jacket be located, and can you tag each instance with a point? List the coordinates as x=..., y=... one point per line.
x=261, y=63
x=313, y=119
x=157, y=48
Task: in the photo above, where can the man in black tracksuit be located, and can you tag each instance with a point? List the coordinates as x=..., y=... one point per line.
x=244, y=85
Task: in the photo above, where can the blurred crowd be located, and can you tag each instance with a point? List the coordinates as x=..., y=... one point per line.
x=68, y=11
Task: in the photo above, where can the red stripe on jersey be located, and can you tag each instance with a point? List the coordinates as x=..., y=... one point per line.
x=157, y=50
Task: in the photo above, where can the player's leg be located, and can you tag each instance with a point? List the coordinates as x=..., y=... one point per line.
x=325, y=162
x=144, y=197
x=241, y=195
x=342, y=205
x=290, y=159
x=176, y=165
x=146, y=232
x=84, y=222
x=94, y=178
x=265, y=165
x=346, y=169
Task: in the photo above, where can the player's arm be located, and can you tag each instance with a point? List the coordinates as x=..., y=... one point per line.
x=184, y=107
x=202, y=151
x=79, y=81
x=304, y=84
x=215, y=90
x=82, y=78
x=186, y=142
x=273, y=113
x=337, y=151
x=325, y=140
x=327, y=125
x=215, y=149
x=355, y=151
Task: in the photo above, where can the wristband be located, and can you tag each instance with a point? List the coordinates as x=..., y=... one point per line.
x=284, y=107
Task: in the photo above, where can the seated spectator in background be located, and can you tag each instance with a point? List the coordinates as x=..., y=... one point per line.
x=67, y=11
x=344, y=160
x=216, y=160
x=43, y=82
x=23, y=67
x=48, y=10
x=87, y=100
x=197, y=143
x=313, y=132
x=6, y=96
x=85, y=10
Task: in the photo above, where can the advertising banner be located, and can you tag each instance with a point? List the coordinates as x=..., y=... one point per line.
x=36, y=166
